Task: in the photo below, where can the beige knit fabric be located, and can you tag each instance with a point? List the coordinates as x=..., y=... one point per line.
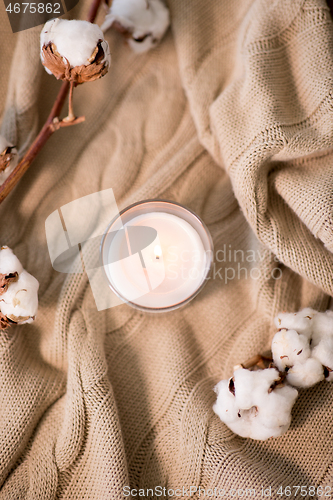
x=231, y=116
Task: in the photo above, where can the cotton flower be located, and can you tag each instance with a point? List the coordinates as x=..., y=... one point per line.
x=316, y=361
x=142, y=22
x=288, y=348
x=302, y=321
x=322, y=342
x=8, y=158
x=322, y=327
x=74, y=50
x=292, y=354
x=323, y=352
x=255, y=404
x=306, y=374
x=18, y=291
x=315, y=325
x=9, y=263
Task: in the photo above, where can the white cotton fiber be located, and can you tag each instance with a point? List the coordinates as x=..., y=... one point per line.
x=9, y=263
x=20, y=302
x=306, y=374
x=19, y=296
x=74, y=40
x=257, y=409
x=301, y=321
x=322, y=327
x=288, y=348
x=143, y=21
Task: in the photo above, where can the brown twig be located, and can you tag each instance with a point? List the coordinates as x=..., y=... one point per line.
x=51, y=125
x=57, y=124
x=260, y=361
x=71, y=117
x=93, y=10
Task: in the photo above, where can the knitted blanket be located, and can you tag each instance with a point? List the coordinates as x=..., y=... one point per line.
x=231, y=115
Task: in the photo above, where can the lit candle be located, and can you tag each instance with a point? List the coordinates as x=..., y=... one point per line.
x=157, y=255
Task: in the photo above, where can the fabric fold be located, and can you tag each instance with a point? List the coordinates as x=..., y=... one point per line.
x=266, y=117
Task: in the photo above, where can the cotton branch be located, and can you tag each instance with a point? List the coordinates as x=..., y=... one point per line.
x=256, y=401
x=51, y=125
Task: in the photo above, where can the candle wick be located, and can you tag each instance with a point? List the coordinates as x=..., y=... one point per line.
x=158, y=252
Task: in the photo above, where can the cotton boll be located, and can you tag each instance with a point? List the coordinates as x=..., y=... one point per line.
x=322, y=327
x=280, y=398
x=75, y=40
x=273, y=405
x=74, y=50
x=306, y=374
x=302, y=321
x=8, y=158
x=247, y=424
x=9, y=263
x=250, y=424
x=252, y=384
x=323, y=352
x=225, y=407
x=276, y=414
x=288, y=348
x=18, y=291
x=246, y=382
x=20, y=302
x=255, y=407
x=143, y=22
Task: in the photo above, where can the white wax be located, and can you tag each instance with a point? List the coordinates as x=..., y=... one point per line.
x=165, y=281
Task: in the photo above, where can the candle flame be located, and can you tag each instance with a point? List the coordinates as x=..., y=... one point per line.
x=158, y=251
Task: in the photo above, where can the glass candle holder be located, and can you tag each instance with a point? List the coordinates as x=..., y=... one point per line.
x=157, y=255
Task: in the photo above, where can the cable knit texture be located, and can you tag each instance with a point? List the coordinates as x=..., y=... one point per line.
x=232, y=116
